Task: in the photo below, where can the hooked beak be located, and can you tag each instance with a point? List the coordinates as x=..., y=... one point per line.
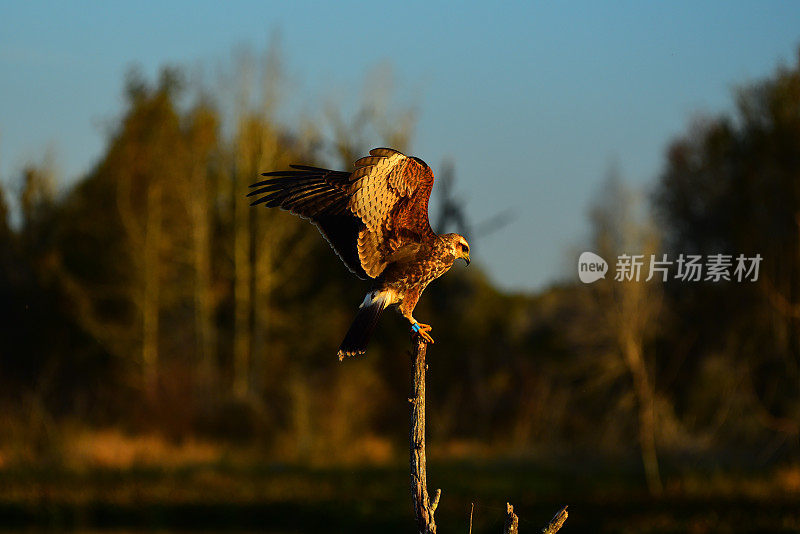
x=466, y=259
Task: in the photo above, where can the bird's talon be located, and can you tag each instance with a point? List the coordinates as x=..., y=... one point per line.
x=422, y=330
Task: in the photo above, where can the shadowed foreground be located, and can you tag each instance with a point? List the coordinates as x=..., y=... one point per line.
x=289, y=499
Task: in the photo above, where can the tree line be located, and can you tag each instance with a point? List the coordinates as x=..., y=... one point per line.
x=149, y=296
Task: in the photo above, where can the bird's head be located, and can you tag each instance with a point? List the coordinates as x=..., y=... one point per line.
x=460, y=246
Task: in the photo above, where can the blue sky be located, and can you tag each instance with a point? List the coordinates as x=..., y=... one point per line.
x=532, y=101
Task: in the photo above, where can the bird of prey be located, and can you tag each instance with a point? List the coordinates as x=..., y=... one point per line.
x=376, y=220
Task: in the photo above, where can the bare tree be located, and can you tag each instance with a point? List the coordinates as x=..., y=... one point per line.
x=630, y=308
x=259, y=146
x=150, y=152
x=202, y=133
x=243, y=167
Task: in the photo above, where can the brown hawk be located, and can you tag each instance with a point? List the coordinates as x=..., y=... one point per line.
x=376, y=219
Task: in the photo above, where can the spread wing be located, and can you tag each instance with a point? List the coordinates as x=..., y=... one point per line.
x=389, y=193
x=320, y=195
x=369, y=216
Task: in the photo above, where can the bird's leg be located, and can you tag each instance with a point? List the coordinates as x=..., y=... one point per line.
x=421, y=329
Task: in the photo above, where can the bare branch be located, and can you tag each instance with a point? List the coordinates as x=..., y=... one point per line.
x=512, y=521
x=557, y=522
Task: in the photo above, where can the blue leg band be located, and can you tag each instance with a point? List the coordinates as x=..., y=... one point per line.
x=415, y=327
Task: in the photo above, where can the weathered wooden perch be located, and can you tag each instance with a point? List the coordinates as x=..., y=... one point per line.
x=556, y=523
x=424, y=507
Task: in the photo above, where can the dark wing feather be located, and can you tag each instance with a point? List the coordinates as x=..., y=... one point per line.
x=367, y=216
x=319, y=195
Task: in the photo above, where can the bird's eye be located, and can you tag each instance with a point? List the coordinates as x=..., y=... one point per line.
x=464, y=248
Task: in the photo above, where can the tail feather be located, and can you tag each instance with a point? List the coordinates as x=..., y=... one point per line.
x=357, y=337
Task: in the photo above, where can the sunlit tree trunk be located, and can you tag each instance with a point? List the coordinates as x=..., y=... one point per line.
x=151, y=289
x=262, y=289
x=267, y=233
x=638, y=305
x=241, y=288
x=205, y=328
x=645, y=398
